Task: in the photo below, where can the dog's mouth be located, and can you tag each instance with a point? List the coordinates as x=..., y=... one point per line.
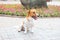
x=34, y=17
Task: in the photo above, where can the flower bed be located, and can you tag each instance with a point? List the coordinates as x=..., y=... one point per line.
x=12, y=9
x=51, y=11
x=18, y=10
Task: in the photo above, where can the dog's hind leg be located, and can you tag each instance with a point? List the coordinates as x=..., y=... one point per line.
x=19, y=29
x=22, y=28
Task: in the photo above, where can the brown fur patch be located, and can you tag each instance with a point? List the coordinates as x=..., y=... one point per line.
x=22, y=29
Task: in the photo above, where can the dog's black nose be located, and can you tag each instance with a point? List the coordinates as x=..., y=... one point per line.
x=38, y=16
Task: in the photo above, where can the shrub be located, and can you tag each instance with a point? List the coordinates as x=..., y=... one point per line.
x=56, y=14
x=8, y=13
x=47, y=15
x=17, y=13
x=1, y=12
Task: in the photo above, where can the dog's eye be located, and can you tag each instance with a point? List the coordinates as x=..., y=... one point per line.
x=33, y=12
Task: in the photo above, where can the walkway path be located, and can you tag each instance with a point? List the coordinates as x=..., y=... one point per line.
x=45, y=29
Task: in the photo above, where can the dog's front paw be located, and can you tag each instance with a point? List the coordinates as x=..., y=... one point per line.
x=19, y=31
x=25, y=32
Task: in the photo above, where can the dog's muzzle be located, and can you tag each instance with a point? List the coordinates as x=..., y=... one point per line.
x=35, y=17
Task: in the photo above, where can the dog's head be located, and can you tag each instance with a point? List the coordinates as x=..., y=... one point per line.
x=32, y=13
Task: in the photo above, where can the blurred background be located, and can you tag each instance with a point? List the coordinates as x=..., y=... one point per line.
x=15, y=8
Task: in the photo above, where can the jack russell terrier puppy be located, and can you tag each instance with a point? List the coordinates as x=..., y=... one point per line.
x=28, y=22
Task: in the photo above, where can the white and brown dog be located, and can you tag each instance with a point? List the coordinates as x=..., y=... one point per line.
x=28, y=22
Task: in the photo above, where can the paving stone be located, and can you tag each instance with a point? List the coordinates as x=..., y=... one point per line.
x=0, y=38
x=45, y=29
x=6, y=39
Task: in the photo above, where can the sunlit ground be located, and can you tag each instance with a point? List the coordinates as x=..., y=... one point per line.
x=44, y=29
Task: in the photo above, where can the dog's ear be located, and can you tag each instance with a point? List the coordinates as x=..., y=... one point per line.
x=28, y=12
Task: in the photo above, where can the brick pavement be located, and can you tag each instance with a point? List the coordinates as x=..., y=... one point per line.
x=45, y=29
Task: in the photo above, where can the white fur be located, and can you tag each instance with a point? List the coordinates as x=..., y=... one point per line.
x=28, y=24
